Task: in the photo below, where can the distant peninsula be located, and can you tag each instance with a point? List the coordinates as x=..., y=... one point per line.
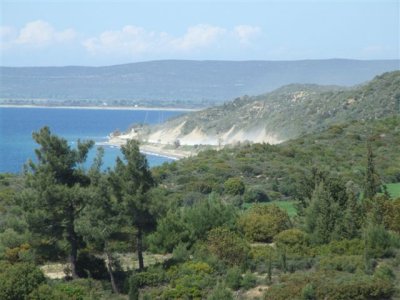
x=176, y=83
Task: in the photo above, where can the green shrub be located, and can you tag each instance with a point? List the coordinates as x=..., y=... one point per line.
x=331, y=285
x=262, y=258
x=133, y=287
x=203, y=187
x=255, y=195
x=227, y=246
x=293, y=240
x=78, y=289
x=262, y=222
x=233, y=278
x=81, y=289
x=248, y=281
x=262, y=252
x=189, y=280
x=171, y=230
x=46, y=292
x=391, y=216
x=220, y=292
x=347, y=263
x=342, y=247
x=234, y=186
x=153, y=276
x=9, y=238
x=308, y=292
x=378, y=242
x=299, y=263
x=190, y=224
x=383, y=271
x=355, y=287
x=181, y=253
x=17, y=281
x=22, y=253
x=236, y=200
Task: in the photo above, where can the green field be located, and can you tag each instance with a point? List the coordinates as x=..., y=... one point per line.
x=289, y=206
x=394, y=189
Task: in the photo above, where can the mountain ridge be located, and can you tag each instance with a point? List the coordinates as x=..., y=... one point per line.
x=174, y=82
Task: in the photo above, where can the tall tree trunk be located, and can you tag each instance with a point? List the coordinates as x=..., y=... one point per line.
x=139, y=246
x=110, y=272
x=72, y=239
x=73, y=253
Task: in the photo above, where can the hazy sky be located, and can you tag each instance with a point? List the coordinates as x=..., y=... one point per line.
x=111, y=32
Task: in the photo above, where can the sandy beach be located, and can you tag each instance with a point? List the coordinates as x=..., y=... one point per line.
x=152, y=149
x=158, y=150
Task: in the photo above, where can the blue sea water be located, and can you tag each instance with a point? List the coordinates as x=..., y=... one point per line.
x=17, y=125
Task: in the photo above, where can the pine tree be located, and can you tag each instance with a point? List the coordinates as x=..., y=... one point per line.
x=372, y=182
x=56, y=190
x=321, y=215
x=100, y=220
x=131, y=180
x=352, y=218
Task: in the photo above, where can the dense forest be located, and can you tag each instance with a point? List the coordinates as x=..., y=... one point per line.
x=317, y=217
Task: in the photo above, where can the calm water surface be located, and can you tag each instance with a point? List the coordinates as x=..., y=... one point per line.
x=17, y=125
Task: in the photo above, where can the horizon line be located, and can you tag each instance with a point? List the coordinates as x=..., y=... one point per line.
x=198, y=60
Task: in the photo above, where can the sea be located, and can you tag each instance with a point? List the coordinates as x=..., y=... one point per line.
x=18, y=123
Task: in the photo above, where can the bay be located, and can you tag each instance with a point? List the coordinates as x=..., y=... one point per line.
x=18, y=124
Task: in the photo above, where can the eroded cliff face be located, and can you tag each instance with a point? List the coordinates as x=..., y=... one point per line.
x=177, y=133
x=198, y=136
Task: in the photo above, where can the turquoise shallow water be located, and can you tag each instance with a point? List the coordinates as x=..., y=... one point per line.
x=17, y=125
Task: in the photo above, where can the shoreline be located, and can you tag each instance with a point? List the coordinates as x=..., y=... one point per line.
x=139, y=108
x=152, y=149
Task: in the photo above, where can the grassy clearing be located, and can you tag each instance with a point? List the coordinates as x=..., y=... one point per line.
x=289, y=206
x=394, y=189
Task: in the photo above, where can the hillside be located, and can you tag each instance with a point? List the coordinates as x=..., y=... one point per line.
x=277, y=170
x=175, y=82
x=285, y=113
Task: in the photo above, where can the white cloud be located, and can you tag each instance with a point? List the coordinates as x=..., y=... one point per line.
x=201, y=35
x=35, y=34
x=133, y=40
x=130, y=40
x=246, y=32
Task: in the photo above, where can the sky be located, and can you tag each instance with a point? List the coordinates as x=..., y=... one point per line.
x=95, y=33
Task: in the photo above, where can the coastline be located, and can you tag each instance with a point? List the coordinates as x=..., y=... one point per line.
x=140, y=108
x=152, y=149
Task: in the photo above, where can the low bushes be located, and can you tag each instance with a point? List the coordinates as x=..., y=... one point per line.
x=347, y=263
x=331, y=285
x=17, y=281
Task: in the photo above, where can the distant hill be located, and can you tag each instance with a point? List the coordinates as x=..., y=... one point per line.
x=285, y=113
x=176, y=82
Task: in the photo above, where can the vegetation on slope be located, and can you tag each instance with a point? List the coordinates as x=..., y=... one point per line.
x=273, y=172
x=294, y=110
